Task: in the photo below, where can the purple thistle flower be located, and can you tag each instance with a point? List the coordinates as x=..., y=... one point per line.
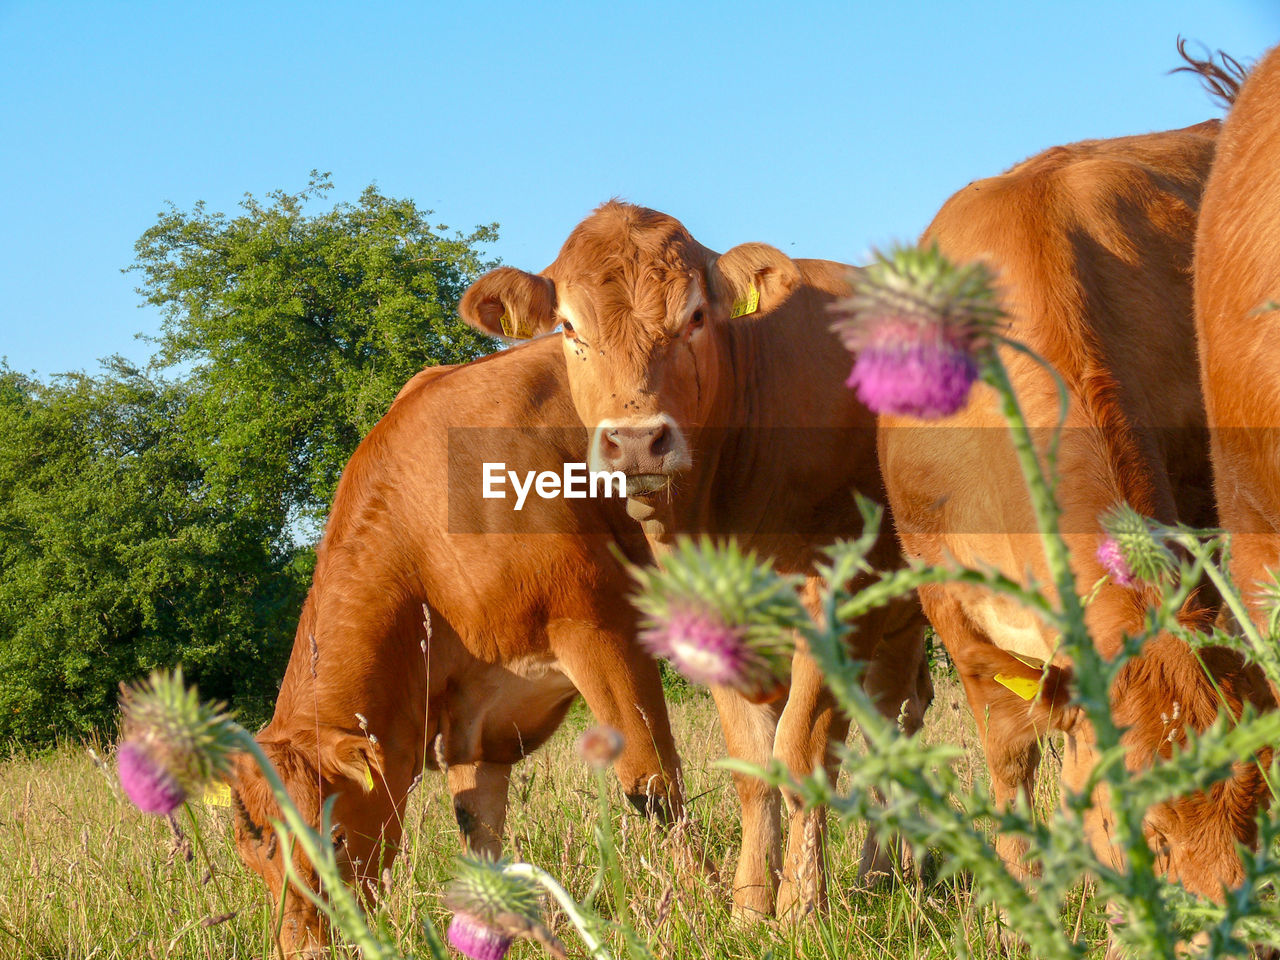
x=1113, y=561
x=720, y=617
x=699, y=644
x=907, y=374
x=1133, y=547
x=490, y=908
x=476, y=939
x=709, y=651
x=917, y=324
x=173, y=745
x=151, y=787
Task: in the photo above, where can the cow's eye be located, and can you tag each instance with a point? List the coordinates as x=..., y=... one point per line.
x=569, y=331
x=697, y=319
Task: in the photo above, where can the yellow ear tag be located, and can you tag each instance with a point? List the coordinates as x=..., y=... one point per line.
x=515, y=327
x=368, y=779
x=1023, y=687
x=1031, y=662
x=748, y=304
x=217, y=795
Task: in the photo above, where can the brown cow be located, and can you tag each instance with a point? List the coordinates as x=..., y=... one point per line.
x=1092, y=245
x=714, y=383
x=1237, y=298
x=526, y=610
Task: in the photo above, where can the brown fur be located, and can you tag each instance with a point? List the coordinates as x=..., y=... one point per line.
x=520, y=623
x=749, y=421
x=1237, y=273
x=1092, y=246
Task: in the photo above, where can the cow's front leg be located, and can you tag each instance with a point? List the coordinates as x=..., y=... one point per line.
x=810, y=724
x=749, y=731
x=623, y=689
x=479, y=792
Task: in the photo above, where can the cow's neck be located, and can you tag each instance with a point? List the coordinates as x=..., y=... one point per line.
x=793, y=444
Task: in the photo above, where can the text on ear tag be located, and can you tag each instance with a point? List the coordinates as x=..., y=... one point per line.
x=1023, y=687
x=748, y=304
x=515, y=327
x=217, y=795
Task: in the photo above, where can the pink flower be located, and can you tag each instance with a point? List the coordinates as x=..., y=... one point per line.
x=911, y=371
x=151, y=787
x=1113, y=561
x=475, y=939
x=709, y=651
x=172, y=744
x=917, y=324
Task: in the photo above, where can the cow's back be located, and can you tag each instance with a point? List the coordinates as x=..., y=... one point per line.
x=409, y=522
x=1237, y=275
x=1092, y=247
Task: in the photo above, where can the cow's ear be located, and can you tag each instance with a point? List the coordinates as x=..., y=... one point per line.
x=752, y=277
x=350, y=756
x=510, y=303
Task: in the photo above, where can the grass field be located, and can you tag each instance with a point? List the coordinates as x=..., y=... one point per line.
x=85, y=875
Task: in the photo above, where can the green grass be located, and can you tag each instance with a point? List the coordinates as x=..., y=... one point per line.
x=86, y=876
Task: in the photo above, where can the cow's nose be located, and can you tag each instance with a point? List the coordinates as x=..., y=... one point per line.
x=636, y=450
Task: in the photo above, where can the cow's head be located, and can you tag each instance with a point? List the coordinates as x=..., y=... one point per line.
x=314, y=766
x=644, y=311
x=1159, y=696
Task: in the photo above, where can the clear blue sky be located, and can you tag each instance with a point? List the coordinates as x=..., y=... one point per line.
x=823, y=128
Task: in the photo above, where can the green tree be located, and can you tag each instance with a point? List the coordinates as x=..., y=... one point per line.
x=163, y=515
x=298, y=329
x=114, y=560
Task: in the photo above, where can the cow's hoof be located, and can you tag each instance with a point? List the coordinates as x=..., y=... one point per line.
x=751, y=906
x=798, y=901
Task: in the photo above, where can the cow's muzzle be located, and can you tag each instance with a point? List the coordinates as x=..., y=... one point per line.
x=646, y=449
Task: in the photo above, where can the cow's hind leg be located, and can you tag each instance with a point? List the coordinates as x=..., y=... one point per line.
x=897, y=681
x=479, y=793
x=1010, y=743
x=749, y=731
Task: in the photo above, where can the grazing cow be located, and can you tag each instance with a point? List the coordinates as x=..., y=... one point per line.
x=714, y=383
x=1092, y=247
x=523, y=613
x=1237, y=291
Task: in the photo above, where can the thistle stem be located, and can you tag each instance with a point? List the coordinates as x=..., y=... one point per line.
x=1091, y=675
x=528, y=871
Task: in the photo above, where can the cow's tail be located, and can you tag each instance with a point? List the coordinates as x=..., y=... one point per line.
x=1221, y=80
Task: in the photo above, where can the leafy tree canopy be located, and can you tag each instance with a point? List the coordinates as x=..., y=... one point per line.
x=298, y=329
x=114, y=560
x=161, y=515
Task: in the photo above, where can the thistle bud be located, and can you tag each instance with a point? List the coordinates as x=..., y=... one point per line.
x=490, y=908
x=1131, y=551
x=600, y=746
x=173, y=744
x=720, y=617
x=916, y=324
